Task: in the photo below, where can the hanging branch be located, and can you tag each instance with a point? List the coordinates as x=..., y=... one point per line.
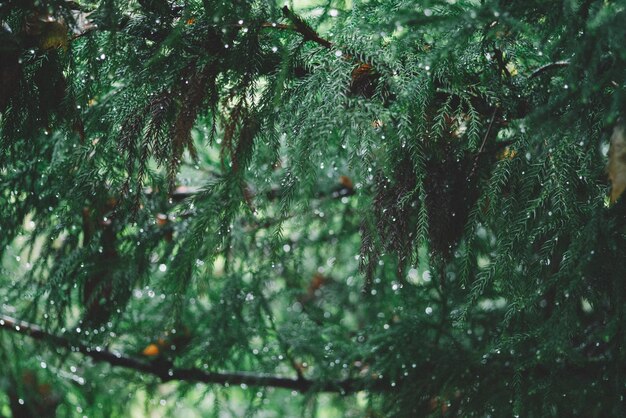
x=186, y=374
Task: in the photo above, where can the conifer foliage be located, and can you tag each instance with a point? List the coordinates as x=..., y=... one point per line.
x=317, y=208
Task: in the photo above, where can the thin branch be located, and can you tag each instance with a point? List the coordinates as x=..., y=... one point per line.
x=482, y=146
x=493, y=118
x=186, y=374
x=548, y=67
x=300, y=26
x=280, y=26
x=501, y=63
x=181, y=193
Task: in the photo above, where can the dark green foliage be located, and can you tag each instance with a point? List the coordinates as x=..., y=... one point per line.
x=402, y=199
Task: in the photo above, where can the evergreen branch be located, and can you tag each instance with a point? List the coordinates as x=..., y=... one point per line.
x=166, y=372
x=309, y=34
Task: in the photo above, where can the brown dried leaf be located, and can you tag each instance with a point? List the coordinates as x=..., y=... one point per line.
x=617, y=161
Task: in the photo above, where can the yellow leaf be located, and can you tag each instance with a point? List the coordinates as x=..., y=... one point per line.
x=512, y=69
x=54, y=35
x=507, y=153
x=617, y=161
x=49, y=31
x=151, y=350
x=346, y=182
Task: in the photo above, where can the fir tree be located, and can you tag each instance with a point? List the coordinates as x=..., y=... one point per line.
x=324, y=208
